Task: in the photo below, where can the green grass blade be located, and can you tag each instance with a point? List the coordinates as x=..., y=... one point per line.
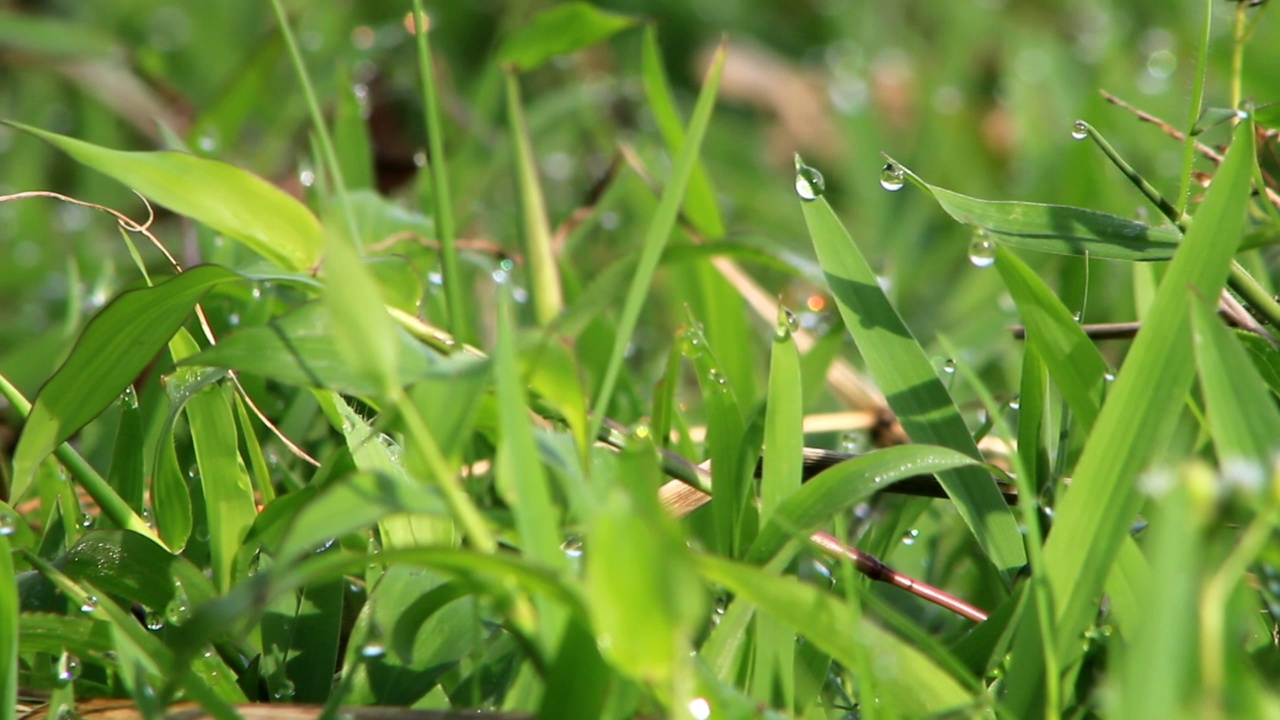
x=911, y=384
x=1242, y=415
x=655, y=238
x=114, y=348
x=544, y=275
x=228, y=495
x=521, y=478
x=1138, y=417
x=351, y=136
x=847, y=484
x=229, y=200
x=363, y=331
x=441, y=193
x=1057, y=229
x=783, y=422
x=1073, y=361
x=916, y=684
x=558, y=31
x=9, y=661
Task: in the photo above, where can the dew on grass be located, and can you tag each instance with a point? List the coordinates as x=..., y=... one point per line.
x=855, y=441
x=892, y=177
x=1015, y=403
x=982, y=251
x=90, y=604
x=8, y=524
x=154, y=620
x=373, y=650
x=68, y=667
x=949, y=366
x=809, y=182
x=1080, y=130
x=909, y=537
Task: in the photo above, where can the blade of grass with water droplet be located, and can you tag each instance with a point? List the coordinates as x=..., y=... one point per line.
x=229, y=200
x=911, y=384
x=1137, y=420
x=655, y=238
x=1057, y=229
x=114, y=348
x=544, y=274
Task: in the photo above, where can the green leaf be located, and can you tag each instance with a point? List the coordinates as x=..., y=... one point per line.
x=299, y=348
x=905, y=678
x=229, y=200
x=1268, y=115
x=1242, y=415
x=366, y=338
x=847, y=484
x=783, y=422
x=114, y=348
x=1073, y=361
x=9, y=630
x=544, y=274
x=26, y=32
x=131, y=566
x=1057, y=228
x=911, y=384
x=560, y=30
x=1137, y=420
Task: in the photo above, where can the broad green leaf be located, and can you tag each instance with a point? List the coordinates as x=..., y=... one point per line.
x=1073, y=361
x=540, y=256
x=1057, y=228
x=131, y=566
x=844, y=485
x=299, y=348
x=1137, y=420
x=1242, y=415
x=911, y=384
x=229, y=504
x=560, y=30
x=904, y=677
x=655, y=238
x=114, y=348
x=229, y=200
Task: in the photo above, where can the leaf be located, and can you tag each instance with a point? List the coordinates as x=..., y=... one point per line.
x=229, y=200
x=1057, y=229
x=131, y=566
x=1242, y=415
x=1073, y=361
x=114, y=348
x=540, y=255
x=1137, y=420
x=28, y=33
x=9, y=662
x=300, y=349
x=560, y=30
x=905, y=678
x=911, y=385
x=783, y=422
x=366, y=337
x=845, y=485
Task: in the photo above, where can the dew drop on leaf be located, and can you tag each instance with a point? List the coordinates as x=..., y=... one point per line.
x=892, y=177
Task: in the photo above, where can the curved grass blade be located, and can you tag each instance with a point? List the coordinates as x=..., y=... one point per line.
x=911, y=385
x=229, y=200
x=1057, y=229
x=1073, y=361
x=916, y=684
x=558, y=31
x=544, y=274
x=1137, y=420
x=846, y=484
x=114, y=348
x=1242, y=415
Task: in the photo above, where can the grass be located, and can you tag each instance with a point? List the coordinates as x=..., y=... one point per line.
x=410, y=410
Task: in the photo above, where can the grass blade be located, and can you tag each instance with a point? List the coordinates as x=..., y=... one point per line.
x=229, y=200
x=1137, y=420
x=1057, y=229
x=228, y=494
x=655, y=238
x=544, y=275
x=1242, y=415
x=114, y=348
x=8, y=631
x=911, y=385
x=558, y=31
x=783, y=422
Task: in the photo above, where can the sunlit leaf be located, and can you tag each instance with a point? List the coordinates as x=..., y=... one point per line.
x=559, y=30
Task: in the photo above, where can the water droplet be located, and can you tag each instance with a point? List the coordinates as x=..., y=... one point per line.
x=949, y=366
x=1109, y=377
x=793, y=322
x=982, y=251
x=129, y=398
x=90, y=604
x=285, y=690
x=8, y=524
x=572, y=547
x=500, y=276
x=718, y=378
x=68, y=668
x=178, y=610
x=373, y=650
x=420, y=158
x=641, y=432
x=786, y=324
x=809, y=182
x=855, y=441
x=892, y=177
x=155, y=620
x=1080, y=130
x=208, y=142
x=909, y=537
x=507, y=264
x=86, y=521
x=307, y=178
x=1015, y=403
x=1077, y=315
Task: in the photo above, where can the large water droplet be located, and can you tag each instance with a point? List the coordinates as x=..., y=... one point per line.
x=982, y=251
x=90, y=604
x=892, y=177
x=8, y=524
x=949, y=366
x=909, y=537
x=373, y=650
x=809, y=183
x=155, y=620
x=68, y=667
x=1080, y=130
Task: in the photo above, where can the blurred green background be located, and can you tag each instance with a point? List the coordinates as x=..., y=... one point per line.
x=974, y=95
